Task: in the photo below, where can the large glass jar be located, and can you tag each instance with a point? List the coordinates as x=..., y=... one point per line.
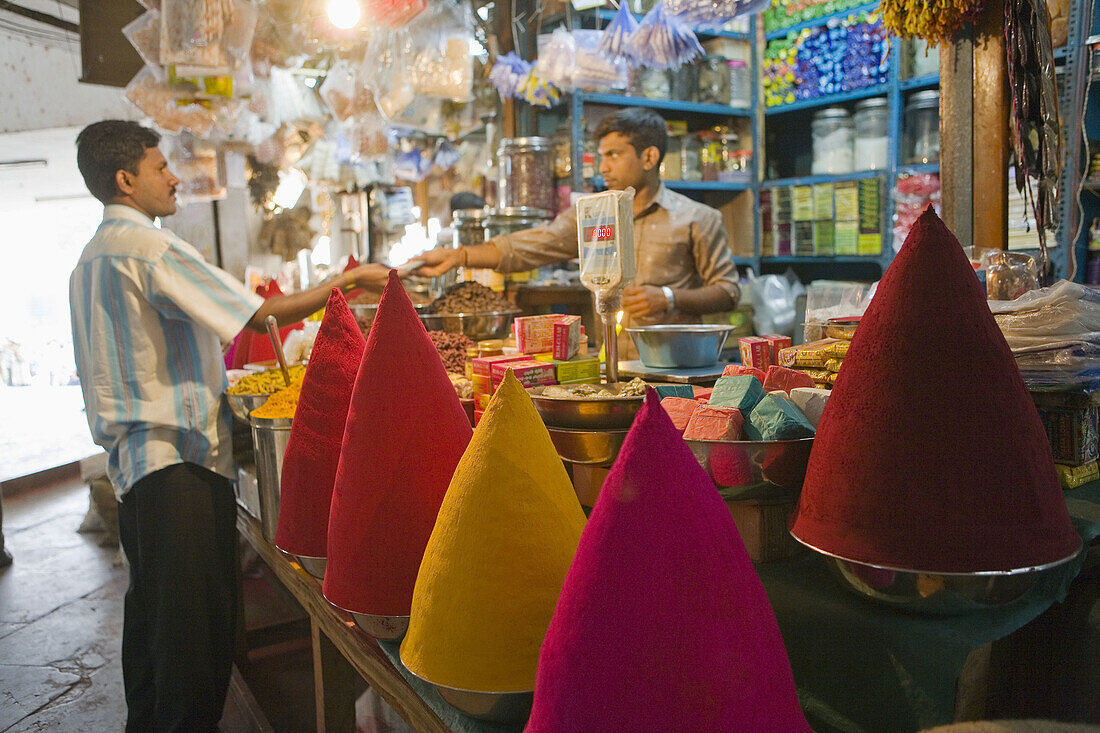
x=527, y=173
x=833, y=137
x=651, y=83
x=740, y=83
x=872, y=120
x=922, y=127
x=685, y=83
x=671, y=166
x=691, y=168
x=710, y=155
x=714, y=80
x=514, y=219
x=468, y=227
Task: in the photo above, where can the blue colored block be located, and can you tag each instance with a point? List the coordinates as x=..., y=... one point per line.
x=777, y=418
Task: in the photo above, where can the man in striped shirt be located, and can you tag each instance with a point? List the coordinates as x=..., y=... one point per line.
x=149, y=317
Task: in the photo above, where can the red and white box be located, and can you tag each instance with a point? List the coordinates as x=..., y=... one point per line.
x=567, y=337
x=534, y=334
x=756, y=352
x=777, y=343
x=482, y=366
x=529, y=373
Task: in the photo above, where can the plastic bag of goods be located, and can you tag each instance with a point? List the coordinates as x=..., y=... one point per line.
x=143, y=33
x=773, y=303
x=206, y=37
x=169, y=110
x=557, y=56
x=594, y=70
x=443, y=65
x=345, y=94
x=615, y=39
x=826, y=299
x=389, y=54
x=195, y=163
x=912, y=195
x=663, y=41
x=393, y=13
x=712, y=13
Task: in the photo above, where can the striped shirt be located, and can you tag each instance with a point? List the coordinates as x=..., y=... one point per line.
x=148, y=316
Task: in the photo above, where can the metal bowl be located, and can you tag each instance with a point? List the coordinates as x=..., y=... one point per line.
x=386, y=628
x=242, y=405
x=680, y=346
x=606, y=413
x=588, y=447
x=493, y=707
x=745, y=469
x=938, y=594
x=315, y=566
x=476, y=326
x=364, y=314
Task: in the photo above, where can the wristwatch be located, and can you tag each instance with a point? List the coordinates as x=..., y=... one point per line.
x=669, y=296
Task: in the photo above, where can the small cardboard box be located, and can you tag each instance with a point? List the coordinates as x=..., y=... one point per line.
x=577, y=369
x=777, y=343
x=567, y=337
x=530, y=373
x=755, y=352
x=534, y=334
x=483, y=365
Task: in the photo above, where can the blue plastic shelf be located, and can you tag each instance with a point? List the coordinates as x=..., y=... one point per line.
x=810, y=180
x=823, y=20
x=745, y=261
x=708, y=185
x=878, y=90
x=608, y=14
x=920, y=82
x=699, y=108
x=917, y=168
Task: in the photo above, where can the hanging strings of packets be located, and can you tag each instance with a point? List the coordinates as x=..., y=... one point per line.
x=664, y=39
x=936, y=21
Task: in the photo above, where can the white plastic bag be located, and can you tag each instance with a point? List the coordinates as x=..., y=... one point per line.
x=773, y=303
x=827, y=299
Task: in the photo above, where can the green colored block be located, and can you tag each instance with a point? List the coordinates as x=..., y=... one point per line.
x=675, y=390
x=742, y=391
x=776, y=418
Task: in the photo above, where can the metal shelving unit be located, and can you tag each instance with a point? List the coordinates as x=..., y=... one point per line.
x=694, y=108
x=709, y=185
x=877, y=90
x=822, y=20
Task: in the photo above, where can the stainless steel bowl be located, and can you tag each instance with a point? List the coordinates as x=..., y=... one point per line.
x=680, y=346
x=364, y=314
x=493, y=707
x=744, y=469
x=243, y=404
x=588, y=447
x=386, y=628
x=315, y=566
x=477, y=326
x=606, y=413
x=939, y=594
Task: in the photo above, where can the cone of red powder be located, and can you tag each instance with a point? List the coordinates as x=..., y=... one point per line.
x=930, y=455
x=313, y=451
x=405, y=433
x=662, y=623
x=251, y=347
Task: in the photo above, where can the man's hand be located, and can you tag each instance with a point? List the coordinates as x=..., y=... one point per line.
x=438, y=261
x=370, y=277
x=643, y=301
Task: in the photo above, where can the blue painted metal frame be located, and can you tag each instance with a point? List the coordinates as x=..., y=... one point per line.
x=708, y=185
x=877, y=90
x=699, y=108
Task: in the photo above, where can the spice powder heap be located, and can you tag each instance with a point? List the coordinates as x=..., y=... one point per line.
x=494, y=566
x=661, y=554
x=313, y=450
x=405, y=433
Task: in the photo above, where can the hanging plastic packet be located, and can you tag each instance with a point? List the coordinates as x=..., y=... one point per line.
x=195, y=163
x=446, y=155
x=165, y=106
x=539, y=92
x=615, y=41
x=663, y=41
x=509, y=74
x=143, y=33
x=411, y=166
x=712, y=13
x=345, y=95
x=442, y=65
x=393, y=13
x=605, y=233
x=557, y=56
x=593, y=70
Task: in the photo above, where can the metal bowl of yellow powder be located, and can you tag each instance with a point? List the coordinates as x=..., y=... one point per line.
x=243, y=404
x=608, y=410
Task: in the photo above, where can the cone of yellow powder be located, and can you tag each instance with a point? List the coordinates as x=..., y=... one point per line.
x=494, y=565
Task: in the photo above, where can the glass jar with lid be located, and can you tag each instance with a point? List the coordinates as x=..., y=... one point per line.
x=685, y=83
x=922, y=127
x=740, y=83
x=468, y=227
x=833, y=141
x=671, y=165
x=714, y=80
x=691, y=168
x=651, y=83
x=527, y=172
x=872, y=122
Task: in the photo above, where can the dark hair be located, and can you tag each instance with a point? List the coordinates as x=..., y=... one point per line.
x=466, y=200
x=105, y=148
x=643, y=127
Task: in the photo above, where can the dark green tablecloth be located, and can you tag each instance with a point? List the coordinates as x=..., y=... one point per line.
x=860, y=666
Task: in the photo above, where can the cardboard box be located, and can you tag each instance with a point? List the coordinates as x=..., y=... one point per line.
x=534, y=334
x=755, y=352
x=483, y=365
x=577, y=369
x=776, y=342
x=567, y=337
x=530, y=373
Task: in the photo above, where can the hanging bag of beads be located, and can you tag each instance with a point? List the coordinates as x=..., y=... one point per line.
x=663, y=41
x=614, y=43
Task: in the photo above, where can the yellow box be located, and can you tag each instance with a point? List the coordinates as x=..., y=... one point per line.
x=577, y=369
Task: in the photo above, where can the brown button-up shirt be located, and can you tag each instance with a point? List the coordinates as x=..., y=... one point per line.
x=678, y=242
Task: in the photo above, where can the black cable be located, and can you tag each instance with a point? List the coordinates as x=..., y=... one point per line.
x=40, y=17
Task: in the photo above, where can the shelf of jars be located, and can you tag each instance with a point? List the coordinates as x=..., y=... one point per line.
x=744, y=185
x=829, y=100
x=672, y=105
x=774, y=33
x=822, y=178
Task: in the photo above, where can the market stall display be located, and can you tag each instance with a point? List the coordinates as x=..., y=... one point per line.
x=888, y=490
x=392, y=473
x=313, y=450
x=495, y=562
x=627, y=592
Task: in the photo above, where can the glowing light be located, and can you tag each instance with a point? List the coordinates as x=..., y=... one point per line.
x=311, y=82
x=344, y=14
x=291, y=186
x=322, y=251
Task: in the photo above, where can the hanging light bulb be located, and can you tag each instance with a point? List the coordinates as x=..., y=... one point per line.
x=344, y=14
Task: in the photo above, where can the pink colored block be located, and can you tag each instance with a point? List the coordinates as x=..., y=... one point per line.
x=782, y=378
x=714, y=423
x=736, y=370
x=680, y=409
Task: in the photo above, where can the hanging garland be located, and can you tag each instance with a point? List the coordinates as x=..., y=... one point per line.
x=936, y=21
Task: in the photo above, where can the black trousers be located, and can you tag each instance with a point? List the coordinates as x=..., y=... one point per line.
x=178, y=529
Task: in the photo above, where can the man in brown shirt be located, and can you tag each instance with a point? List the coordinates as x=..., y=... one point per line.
x=684, y=266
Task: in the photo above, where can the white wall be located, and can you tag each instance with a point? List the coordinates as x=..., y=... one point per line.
x=39, y=85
